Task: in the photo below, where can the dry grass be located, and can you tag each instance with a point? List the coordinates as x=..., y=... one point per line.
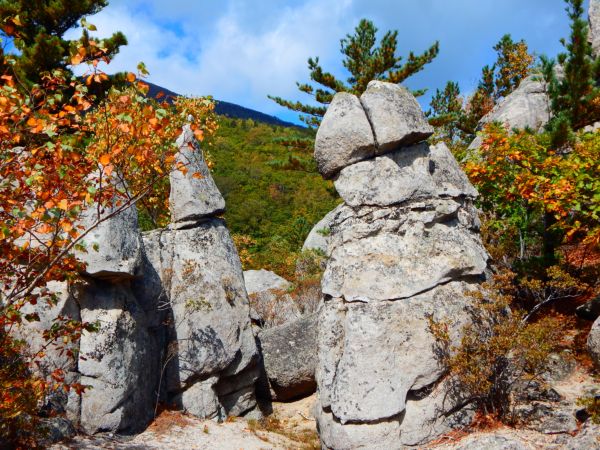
x=306, y=439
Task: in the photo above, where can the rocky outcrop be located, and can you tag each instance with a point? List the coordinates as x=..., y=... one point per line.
x=210, y=338
x=289, y=354
x=171, y=308
x=593, y=343
x=594, y=19
x=528, y=106
x=404, y=249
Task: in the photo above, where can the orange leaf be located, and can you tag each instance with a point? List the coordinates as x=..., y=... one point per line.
x=104, y=159
x=130, y=77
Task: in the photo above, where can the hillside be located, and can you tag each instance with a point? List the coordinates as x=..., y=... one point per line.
x=227, y=109
x=274, y=193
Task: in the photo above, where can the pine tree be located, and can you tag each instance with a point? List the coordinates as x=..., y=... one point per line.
x=446, y=112
x=37, y=27
x=365, y=61
x=575, y=95
x=513, y=63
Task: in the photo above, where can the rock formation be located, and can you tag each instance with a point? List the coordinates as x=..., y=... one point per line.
x=528, y=106
x=594, y=19
x=210, y=338
x=404, y=248
x=172, y=311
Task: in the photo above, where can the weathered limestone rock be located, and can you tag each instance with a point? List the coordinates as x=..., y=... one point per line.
x=114, y=247
x=411, y=173
x=258, y=281
x=593, y=343
x=344, y=137
x=211, y=337
x=270, y=304
x=376, y=363
x=194, y=194
x=318, y=238
x=395, y=115
x=289, y=354
x=120, y=361
x=404, y=249
x=594, y=19
x=528, y=106
x=424, y=244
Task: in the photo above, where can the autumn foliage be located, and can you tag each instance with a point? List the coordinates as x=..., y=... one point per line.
x=61, y=149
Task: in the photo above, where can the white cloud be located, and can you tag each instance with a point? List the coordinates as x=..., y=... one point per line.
x=234, y=61
x=240, y=51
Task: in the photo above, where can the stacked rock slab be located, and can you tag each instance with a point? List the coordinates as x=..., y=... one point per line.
x=211, y=359
x=120, y=361
x=124, y=353
x=404, y=248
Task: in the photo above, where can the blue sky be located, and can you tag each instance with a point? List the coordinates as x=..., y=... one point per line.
x=241, y=50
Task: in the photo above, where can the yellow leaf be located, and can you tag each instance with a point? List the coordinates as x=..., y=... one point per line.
x=63, y=204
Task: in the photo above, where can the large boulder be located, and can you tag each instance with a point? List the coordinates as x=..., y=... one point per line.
x=113, y=248
x=194, y=194
x=344, y=137
x=289, y=354
x=270, y=303
x=594, y=19
x=593, y=343
x=528, y=106
x=404, y=250
x=211, y=336
x=262, y=280
x=395, y=115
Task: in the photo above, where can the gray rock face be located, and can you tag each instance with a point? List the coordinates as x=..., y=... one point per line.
x=289, y=354
x=269, y=302
x=373, y=368
x=262, y=280
x=344, y=136
x=318, y=238
x=404, y=249
x=424, y=244
x=194, y=194
x=593, y=343
x=116, y=361
x=594, y=19
x=411, y=173
x=114, y=247
x=528, y=106
x=211, y=336
x=395, y=116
